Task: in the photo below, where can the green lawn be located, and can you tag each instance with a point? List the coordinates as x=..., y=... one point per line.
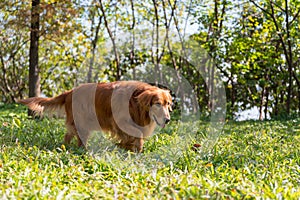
x=250, y=160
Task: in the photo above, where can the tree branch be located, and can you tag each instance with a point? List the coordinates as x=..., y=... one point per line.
x=261, y=8
x=132, y=53
x=295, y=17
x=117, y=59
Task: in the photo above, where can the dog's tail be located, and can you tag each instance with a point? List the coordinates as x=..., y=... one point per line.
x=39, y=105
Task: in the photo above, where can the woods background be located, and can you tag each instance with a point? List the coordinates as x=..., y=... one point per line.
x=49, y=46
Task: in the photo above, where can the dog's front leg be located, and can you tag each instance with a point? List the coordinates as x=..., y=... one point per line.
x=132, y=144
x=138, y=145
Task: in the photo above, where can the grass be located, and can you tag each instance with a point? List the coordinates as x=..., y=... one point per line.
x=251, y=160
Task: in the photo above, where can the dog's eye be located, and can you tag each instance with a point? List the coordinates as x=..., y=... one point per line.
x=157, y=104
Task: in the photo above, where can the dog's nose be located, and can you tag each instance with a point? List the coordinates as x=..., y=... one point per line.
x=167, y=120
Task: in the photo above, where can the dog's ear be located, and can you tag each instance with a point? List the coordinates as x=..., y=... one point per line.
x=146, y=98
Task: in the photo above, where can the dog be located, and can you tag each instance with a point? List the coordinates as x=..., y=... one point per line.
x=128, y=111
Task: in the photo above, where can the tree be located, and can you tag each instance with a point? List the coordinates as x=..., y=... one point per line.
x=254, y=45
x=96, y=19
x=289, y=12
x=116, y=62
x=256, y=51
x=14, y=49
x=211, y=37
x=34, y=75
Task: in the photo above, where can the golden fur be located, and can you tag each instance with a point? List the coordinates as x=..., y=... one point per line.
x=127, y=110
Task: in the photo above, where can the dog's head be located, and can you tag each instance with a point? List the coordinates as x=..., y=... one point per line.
x=159, y=104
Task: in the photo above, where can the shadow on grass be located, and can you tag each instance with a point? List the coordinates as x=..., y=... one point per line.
x=17, y=129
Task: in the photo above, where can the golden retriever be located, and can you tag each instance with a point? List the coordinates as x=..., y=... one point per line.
x=128, y=110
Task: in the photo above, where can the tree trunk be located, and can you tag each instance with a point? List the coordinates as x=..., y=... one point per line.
x=113, y=40
x=276, y=100
x=94, y=48
x=266, y=103
x=289, y=58
x=34, y=77
x=155, y=41
x=261, y=104
x=132, y=53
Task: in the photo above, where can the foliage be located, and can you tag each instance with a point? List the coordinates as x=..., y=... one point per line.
x=251, y=43
x=13, y=48
x=58, y=55
x=250, y=160
x=254, y=46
